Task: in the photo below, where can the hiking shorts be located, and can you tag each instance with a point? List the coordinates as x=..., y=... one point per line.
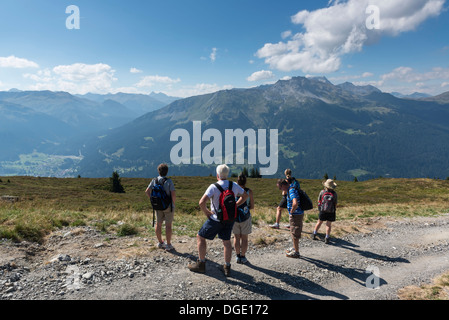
x=166, y=215
x=211, y=228
x=283, y=203
x=244, y=227
x=296, y=225
x=331, y=217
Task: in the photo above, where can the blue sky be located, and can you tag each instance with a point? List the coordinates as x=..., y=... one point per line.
x=185, y=48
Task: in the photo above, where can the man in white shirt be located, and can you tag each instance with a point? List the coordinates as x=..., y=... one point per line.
x=213, y=226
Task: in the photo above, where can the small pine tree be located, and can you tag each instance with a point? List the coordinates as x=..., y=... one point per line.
x=258, y=175
x=116, y=184
x=355, y=179
x=326, y=176
x=245, y=172
x=253, y=173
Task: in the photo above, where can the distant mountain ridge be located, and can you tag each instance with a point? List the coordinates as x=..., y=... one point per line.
x=59, y=122
x=343, y=130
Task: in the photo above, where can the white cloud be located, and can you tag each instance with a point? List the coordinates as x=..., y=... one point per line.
x=407, y=80
x=78, y=78
x=149, y=81
x=408, y=75
x=135, y=70
x=351, y=77
x=260, y=75
x=17, y=63
x=195, y=90
x=341, y=28
x=286, y=34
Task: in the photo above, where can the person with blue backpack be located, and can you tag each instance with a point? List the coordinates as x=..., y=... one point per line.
x=162, y=194
x=296, y=214
x=243, y=224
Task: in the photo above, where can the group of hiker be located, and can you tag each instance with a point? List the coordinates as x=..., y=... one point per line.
x=230, y=213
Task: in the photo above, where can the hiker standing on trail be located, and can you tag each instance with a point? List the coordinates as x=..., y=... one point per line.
x=243, y=224
x=217, y=216
x=327, y=206
x=162, y=194
x=296, y=214
x=283, y=204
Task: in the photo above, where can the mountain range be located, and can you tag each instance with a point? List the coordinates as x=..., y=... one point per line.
x=343, y=130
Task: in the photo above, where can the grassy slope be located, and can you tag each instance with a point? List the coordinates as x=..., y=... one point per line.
x=48, y=203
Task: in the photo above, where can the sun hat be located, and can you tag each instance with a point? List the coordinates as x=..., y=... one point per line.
x=330, y=184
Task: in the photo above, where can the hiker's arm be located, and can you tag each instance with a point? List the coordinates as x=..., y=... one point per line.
x=203, y=206
x=242, y=199
x=251, y=200
x=294, y=205
x=148, y=192
x=173, y=197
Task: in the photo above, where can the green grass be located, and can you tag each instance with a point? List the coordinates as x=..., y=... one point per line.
x=48, y=204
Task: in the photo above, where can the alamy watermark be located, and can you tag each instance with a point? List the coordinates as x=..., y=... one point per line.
x=73, y=20
x=372, y=22
x=373, y=280
x=190, y=150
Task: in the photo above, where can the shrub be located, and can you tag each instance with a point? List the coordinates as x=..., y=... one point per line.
x=115, y=183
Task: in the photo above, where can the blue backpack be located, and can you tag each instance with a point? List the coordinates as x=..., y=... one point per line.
x=243, y=212
x=159, y=198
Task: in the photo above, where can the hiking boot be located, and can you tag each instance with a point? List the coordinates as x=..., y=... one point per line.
x=238, y=259
x=315, y=237
x=293, y=254
x=326, y=240
x=198, y=266
x=275, y=226
x=226, y=270
x=169, y=247
x=243, y=259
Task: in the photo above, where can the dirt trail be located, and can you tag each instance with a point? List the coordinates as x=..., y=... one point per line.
x=82, y=264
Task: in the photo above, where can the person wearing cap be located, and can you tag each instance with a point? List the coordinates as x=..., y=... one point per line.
x=328, y=217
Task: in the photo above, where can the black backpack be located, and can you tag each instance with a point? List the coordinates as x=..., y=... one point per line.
x=159, y=198
x=227, y=212
x=304, y=200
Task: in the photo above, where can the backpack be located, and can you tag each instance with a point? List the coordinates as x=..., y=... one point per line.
x=327, y=203
x=304, y=200
x=159, y=198
x=227, y=212
x=243, y=212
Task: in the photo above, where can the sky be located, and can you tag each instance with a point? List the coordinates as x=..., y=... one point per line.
x=185, y=48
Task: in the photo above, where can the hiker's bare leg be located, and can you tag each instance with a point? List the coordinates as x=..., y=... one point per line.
x=328, y=228
x=237, y=244
x=278, y=215
x=227, y=250
x=244, y=244
x=202, y=247
x=168, y=232
x=159, y=231
x=318, y=226
x=295, y=243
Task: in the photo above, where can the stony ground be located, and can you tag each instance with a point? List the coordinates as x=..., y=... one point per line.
x=382, y=256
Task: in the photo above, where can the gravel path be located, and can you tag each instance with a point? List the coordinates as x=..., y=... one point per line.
x=82, y=264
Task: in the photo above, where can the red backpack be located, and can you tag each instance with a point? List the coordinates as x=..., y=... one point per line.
x=327, y=203
x=227, y=212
